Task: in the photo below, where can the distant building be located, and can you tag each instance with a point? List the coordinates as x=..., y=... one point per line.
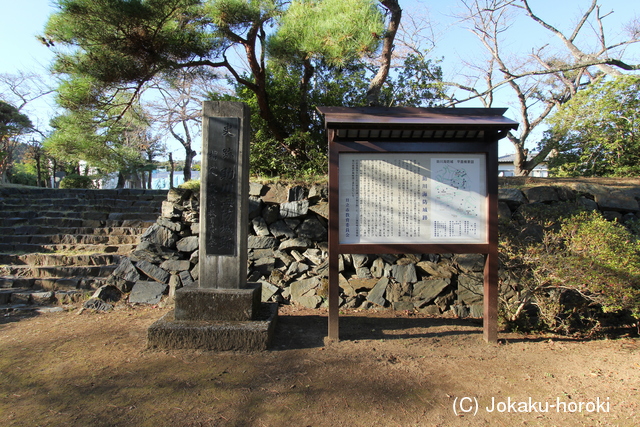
x=507, y=167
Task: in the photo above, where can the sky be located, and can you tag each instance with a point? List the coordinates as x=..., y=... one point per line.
x=22, y=20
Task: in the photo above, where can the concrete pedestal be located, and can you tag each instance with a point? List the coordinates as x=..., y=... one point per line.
x=219, y=335
x=218, y=304
x=216, y=319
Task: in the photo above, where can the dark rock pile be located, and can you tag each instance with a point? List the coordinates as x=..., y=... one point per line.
x=288, y=253
x=288, y=256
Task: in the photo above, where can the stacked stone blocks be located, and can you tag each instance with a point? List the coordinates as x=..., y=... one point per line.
x=57, y=245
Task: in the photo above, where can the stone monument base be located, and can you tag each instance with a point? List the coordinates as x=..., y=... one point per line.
x=216, y=319
x=219, y=335
x=218, y=304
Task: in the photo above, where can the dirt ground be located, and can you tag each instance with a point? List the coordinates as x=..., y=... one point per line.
x=389, y=369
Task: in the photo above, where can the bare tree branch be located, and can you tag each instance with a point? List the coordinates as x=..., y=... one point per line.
x=542, y=82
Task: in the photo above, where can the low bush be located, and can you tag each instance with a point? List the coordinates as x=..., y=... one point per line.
x=192, y=184
x=77, y=181
x=23, y=178
x=577, y=271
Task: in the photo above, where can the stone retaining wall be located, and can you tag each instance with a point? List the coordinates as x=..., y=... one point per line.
x=288, y=252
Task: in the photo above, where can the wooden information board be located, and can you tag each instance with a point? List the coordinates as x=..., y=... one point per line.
x=414, y=180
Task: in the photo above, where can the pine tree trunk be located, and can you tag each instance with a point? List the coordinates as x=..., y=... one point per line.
x=375, y=86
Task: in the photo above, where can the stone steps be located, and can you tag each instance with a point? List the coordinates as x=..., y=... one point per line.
x=74, y=239
x=26, y=299
x=98, y=231
x=8, y=248
x=57, y=271
x=65, y=240
x=61, y=203
x=100, y=227
x=112, y=220
x=93, y=214
x=37, y=284
x=41, y=259
x=36, y=278
x=66, y=204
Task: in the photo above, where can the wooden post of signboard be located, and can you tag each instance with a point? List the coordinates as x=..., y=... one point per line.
x=490, y=300
x=334, y=288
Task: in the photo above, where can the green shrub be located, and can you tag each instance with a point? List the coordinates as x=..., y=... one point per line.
x=608, y=255
x=581, y=267
x=268, y=158
x=23, y=178
x=192, y=184
x=77, y=181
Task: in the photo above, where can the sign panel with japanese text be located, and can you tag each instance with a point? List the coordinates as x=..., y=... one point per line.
x=412, y=198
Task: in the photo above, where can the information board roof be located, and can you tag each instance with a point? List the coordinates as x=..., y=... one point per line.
x=412, y=122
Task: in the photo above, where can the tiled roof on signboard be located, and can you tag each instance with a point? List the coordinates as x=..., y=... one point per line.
x=416, y=123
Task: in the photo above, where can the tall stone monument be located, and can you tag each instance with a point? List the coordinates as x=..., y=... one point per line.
x=224, y=192
x=222, y=312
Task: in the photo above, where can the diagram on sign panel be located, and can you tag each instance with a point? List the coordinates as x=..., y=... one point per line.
x=453, y=190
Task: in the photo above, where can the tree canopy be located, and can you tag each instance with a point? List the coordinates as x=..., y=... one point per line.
x=12, y=121
x=12, y=124
x=278, y=53
x=118, y=47
x=597, y=132
x=119, y=42
x=418, y=84
x=336, y=31
x=549, y=74
x=95, y=129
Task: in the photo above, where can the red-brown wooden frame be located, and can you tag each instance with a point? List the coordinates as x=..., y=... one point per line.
x=486, y=144
x=486, y=127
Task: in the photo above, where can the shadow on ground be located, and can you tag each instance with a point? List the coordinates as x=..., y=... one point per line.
x=309, y=331
x=12, y=316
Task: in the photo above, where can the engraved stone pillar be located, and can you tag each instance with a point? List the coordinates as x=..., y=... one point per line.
x=224, y=195
x=224, y=312
x=224, y=293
